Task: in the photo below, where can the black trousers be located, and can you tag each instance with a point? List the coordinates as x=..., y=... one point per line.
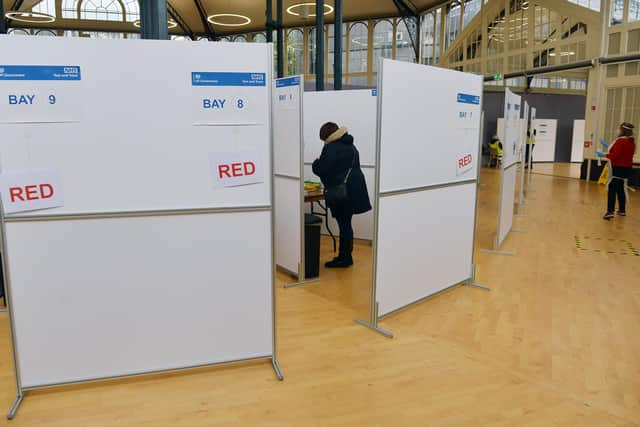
x=616, y=189
x=529, y=152
x=346, y=234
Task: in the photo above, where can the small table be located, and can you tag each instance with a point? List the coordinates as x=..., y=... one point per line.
x=317, y=198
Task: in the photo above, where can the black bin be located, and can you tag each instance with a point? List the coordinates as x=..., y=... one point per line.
x=312, y=224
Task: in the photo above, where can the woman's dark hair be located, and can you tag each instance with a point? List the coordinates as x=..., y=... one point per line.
x=327, y=130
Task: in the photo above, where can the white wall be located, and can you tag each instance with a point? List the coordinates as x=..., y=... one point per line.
x=545, y=150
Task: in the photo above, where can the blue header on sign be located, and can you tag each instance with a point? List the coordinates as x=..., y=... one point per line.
x=39, y=72
x=228, y=79
x=374, y=92
x=466, y=98
x=288, y=81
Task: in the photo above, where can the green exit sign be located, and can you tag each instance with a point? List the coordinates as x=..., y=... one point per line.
x=497, y=76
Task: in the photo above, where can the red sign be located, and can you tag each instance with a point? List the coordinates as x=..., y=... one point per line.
x=465, y=163
x=28, y=191
x=235, y=169
x=31, y=192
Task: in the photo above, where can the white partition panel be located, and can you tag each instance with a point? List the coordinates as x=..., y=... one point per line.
x=155, y=261
x=507, y=200
x=142, y=110
x=356, y=110
x=288, y=170
x=415, y=262
x=513, y=135
x=500, y=127
x=435, y=135
x=145, y=294
x=428, y=160
x=577, y=143
x=545, y=150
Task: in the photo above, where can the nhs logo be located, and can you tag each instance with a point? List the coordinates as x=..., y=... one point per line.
x=70, y=70
x=466, y=98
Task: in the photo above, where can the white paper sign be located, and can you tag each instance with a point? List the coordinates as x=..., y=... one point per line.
x=223, y=98
x=236, y=169
x=30, y=191
x=464, y=163
x=287, y=93
x=40, y=93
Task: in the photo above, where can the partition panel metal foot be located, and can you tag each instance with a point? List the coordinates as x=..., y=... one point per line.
x=301, y=283
x=518, y=230
x=496, y=252
x=16, y=405
x=276, y=368
x=375, y=328
x=473, y=284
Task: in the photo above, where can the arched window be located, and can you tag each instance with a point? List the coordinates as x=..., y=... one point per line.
x=295, y=52
x=404, y=47
x=47, y=33
x=358, y=47
x=259, y=38
x=101, y=10
x=18, y=32
x=382, y=41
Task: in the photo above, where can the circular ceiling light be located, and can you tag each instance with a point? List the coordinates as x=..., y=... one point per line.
x=30, y=17
x=170, y=23
x=307, y=10
x=236, y=20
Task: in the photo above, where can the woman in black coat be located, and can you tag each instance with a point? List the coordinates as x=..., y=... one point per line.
x=339, y=155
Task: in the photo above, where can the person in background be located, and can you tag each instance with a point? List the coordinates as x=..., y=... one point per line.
x=340, y=161
x=531, y=144
x=495, y=146
x=620, y=155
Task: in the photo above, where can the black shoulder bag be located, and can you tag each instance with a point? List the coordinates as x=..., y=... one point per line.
x=340, y=193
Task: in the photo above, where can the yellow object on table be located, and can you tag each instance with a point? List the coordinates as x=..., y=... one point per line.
x=312, y=187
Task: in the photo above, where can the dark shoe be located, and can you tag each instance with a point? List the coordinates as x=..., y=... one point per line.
x=608, y=216
x=340, y=263
x=622, y=213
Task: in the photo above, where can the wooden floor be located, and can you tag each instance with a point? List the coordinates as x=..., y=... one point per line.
x=555, y=343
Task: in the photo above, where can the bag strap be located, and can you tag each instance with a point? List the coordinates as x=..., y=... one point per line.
x=353, y=163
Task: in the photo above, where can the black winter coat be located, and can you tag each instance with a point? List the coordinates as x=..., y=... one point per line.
x=332, y=167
